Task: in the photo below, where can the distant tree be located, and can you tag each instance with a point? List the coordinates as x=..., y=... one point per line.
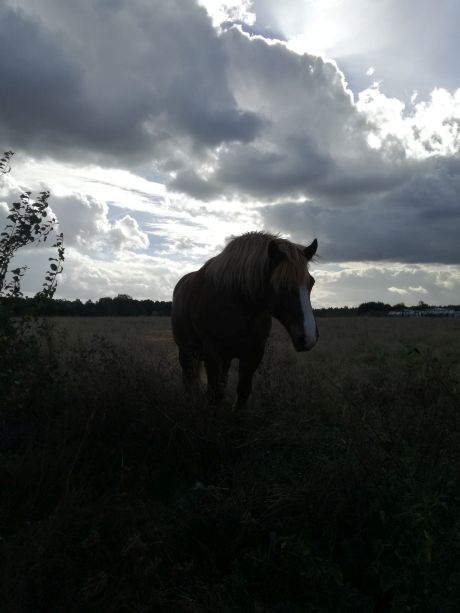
x=376, y=307
x=105, y=306
x=123, y=297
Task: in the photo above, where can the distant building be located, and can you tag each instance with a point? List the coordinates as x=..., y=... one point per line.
x=429, y=312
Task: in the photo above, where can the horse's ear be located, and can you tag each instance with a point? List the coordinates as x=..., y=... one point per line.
x=275, y=254
x=310, y=251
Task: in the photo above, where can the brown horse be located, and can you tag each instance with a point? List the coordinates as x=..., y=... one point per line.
x=224, y=310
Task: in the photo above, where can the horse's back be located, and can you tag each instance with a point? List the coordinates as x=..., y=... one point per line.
x=183, y=287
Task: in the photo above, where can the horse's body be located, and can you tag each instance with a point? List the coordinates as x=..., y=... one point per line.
x=223, y=311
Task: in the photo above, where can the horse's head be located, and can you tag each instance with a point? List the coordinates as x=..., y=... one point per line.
x=289, y=292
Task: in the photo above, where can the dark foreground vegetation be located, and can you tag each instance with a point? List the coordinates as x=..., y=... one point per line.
x=337, y=490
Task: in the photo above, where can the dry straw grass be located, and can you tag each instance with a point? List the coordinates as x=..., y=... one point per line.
x=337, y=489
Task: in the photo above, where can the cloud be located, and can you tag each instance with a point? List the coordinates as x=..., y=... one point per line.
x=237, y=11
x=416, y=221
x=222, y=115
x=315, y=140
x=423, y=130
x=84, y=220
x=139, y=275
x=398, y=290
x=223, y=130
x=310, y=134
x=351, y=283
x=411, y=44
x=115, y=81
x=126, y=234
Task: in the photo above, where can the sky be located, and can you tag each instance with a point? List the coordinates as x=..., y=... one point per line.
x=164, y=127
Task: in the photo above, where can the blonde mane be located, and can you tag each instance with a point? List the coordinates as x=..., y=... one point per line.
x=244, y=264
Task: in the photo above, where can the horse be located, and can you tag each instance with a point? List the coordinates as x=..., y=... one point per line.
x=224, y=310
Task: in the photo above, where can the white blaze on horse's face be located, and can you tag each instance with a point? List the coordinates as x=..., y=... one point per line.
x=289, y=301
x=310, y=330
x=293, y=309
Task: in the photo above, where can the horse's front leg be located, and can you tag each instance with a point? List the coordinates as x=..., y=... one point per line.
x=191, y=366
x=247, y=368
x=217, y=374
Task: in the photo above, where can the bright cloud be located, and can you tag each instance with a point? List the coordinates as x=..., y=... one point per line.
x=351, y=283
x=239, y=11
x=398, y=290
x=429, y=128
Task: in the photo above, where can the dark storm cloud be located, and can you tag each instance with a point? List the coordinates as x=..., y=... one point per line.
x=114, y=80
x=416, y=222
x=264, y=174
x=212, y=126
x=40, y=87
x=189, y=182
x=45, y=108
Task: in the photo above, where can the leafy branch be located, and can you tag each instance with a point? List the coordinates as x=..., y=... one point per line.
x=55, y=269
x=5, y=166
x=28, y=224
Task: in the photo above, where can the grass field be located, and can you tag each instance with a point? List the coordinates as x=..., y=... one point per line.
x=338, y=489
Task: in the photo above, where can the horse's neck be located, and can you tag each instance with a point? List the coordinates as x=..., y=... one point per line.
x=254, y=304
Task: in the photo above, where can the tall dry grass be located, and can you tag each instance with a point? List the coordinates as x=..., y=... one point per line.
x=337, y=490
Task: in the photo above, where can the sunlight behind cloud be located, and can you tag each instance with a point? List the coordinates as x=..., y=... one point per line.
x=232, y=10
x=323, y=27
x=321, y=33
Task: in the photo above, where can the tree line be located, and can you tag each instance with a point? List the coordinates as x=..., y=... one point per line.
x=377, y=309
x=124, y=305
x=120, y=306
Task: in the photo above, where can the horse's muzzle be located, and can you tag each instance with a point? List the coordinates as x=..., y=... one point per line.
x=304, y=343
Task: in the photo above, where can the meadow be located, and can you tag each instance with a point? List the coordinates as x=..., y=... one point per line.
x=337, y=489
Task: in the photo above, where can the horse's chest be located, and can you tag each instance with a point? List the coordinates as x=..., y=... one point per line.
x=234, y=328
